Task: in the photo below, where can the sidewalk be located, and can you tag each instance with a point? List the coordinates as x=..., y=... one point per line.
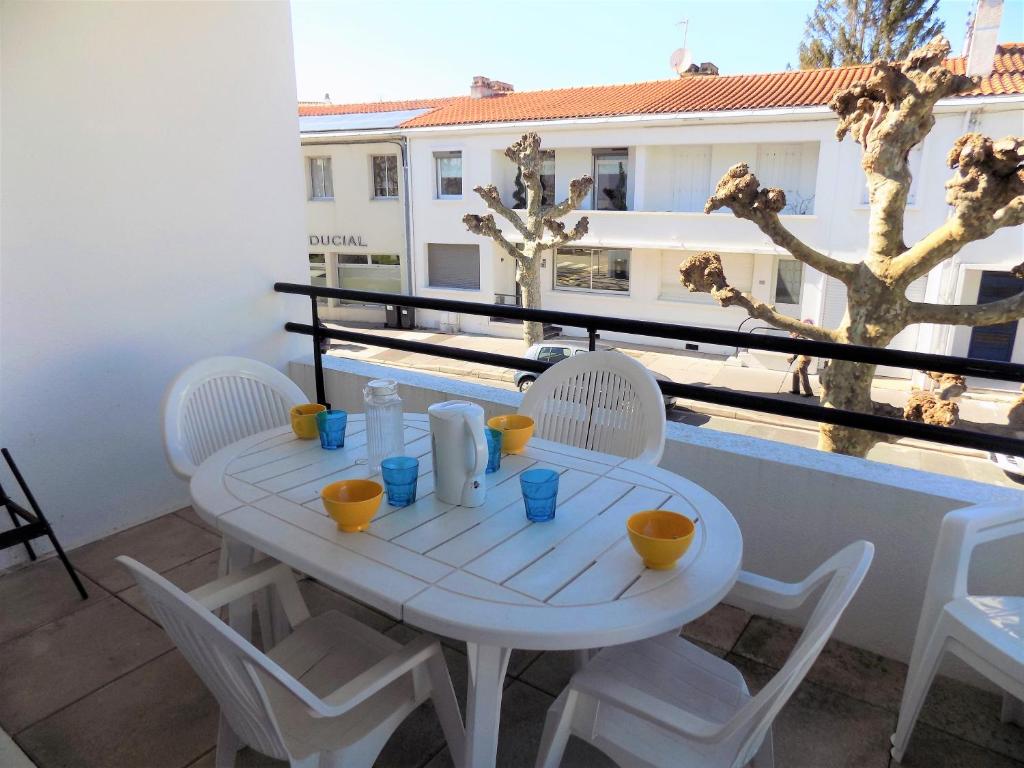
x=675, y=365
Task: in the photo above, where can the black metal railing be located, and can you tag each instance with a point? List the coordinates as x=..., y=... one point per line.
x=591, y=324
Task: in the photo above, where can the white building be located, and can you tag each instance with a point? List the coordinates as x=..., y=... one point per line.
x=656, y=151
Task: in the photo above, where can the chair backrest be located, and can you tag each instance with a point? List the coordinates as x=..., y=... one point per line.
x=842, y=574
x=602, y=401
x=218, y=401
x=224, y=661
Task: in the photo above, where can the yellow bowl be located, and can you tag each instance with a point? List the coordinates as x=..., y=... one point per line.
x=352, y=503
x=304, y=420
x=516, y=431
x=660, y=537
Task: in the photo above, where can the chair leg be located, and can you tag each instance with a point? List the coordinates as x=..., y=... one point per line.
x=580, y=659
x=17, y=524
x=557, y=728
x=228, y=745
x=67, y=563
x=919, y=680
x=1013, y=710
x=447, y=707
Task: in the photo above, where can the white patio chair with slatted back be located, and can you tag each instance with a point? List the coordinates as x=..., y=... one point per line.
x=328, y=695
x=218, y=401
x=987, y=631
x=666, y=702
x=603, y=401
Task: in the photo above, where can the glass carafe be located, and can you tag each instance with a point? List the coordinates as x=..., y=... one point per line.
x=384, y=425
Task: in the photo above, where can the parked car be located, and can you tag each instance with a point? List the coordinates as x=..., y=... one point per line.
x=552, y=352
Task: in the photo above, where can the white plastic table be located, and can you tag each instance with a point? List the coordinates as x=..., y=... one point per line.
x=484, y=575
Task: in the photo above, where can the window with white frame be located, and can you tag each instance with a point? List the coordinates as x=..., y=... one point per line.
x=370, y=272
x=789, y=277
x=321, y=182
x=914, y=164
x=385, y=176
x=448, y=166
x=547, y=178
x=453, y=265
x=592, y=269
x=610, y=179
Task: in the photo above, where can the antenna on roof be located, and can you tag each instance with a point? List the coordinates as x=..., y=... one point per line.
x=682, y=58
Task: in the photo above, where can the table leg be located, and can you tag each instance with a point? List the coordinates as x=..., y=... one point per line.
x=240, y=611
x=487, y=666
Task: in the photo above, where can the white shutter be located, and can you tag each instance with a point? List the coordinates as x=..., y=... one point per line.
x=453, y=266
x=779, y=165
x=691, y=179
x=835, y=303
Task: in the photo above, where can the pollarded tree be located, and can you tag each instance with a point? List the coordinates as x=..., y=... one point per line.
x=540, y=228
x=887, y=116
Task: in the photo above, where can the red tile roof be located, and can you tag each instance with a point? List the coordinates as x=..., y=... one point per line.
x=311, y=109
x=707, y=93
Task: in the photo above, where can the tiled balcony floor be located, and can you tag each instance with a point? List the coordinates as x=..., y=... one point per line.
x=97, y=683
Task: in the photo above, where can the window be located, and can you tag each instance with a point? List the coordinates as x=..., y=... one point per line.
x=376, y=272
x=453, y=266
x=792, y=168
x=610, y=180
x=320, y=179
x=592, y=269
x=449, y=174
x=552, y=354
x=547, y=178
x=318, y=273
x=385, y=176
x=691, y=178
x=788, y=279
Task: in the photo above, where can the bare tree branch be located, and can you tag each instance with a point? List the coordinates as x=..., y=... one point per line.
x=492, y=199
x=560, y=235
x=888, y=115
x=993, y=313
x=703, y=273
x=484, y=225
x=740, y=192
x=578, y=191
x=987, y=194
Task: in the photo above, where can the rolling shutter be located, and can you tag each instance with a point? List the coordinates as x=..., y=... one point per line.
x=453, y=266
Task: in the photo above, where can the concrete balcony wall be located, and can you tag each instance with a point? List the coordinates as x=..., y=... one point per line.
x=795, y=506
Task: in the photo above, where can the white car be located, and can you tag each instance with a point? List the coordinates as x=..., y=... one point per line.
x=552, y=352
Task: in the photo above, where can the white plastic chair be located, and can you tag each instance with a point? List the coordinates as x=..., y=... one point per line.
x=604, y=401
x=330, y=694
x=666, y=702
x=986, y=632
x=218, y=401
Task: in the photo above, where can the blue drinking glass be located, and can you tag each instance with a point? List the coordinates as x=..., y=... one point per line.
x=331, y=425
x=540, y=491
x=493, y=449
x=400, y=474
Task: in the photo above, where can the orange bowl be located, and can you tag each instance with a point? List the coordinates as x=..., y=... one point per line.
x=660, y=537
x=304, y=420
x=352, y=503
x=516, y=431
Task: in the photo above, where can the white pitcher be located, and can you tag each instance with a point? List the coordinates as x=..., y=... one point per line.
x=459, y=449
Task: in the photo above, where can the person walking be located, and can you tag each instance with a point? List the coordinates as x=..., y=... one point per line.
x=800, y=364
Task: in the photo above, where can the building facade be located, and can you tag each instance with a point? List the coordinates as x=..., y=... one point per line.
x=656, y=151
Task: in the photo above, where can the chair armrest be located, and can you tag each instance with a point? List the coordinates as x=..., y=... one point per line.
x=771, y=592
x=261, y=574
x=642, y=704
x=379, y=676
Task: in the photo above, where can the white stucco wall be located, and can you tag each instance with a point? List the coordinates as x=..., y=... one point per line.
x=151, y=195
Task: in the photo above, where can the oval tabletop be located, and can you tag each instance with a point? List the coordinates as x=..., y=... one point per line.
x=480, y=574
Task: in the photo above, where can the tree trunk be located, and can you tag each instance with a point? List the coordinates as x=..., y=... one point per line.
x=847, y=386
x=533, y=333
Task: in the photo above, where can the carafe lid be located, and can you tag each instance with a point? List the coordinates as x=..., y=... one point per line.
x=382, y=387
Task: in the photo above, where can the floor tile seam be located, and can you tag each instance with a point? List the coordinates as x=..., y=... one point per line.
x=80, y=607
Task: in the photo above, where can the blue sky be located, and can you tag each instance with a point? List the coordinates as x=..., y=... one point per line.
x=371, y=50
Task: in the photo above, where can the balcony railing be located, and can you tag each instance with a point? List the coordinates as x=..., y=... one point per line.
x=726, y=397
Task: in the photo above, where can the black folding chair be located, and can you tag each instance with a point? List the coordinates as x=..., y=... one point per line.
x=30, y=525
